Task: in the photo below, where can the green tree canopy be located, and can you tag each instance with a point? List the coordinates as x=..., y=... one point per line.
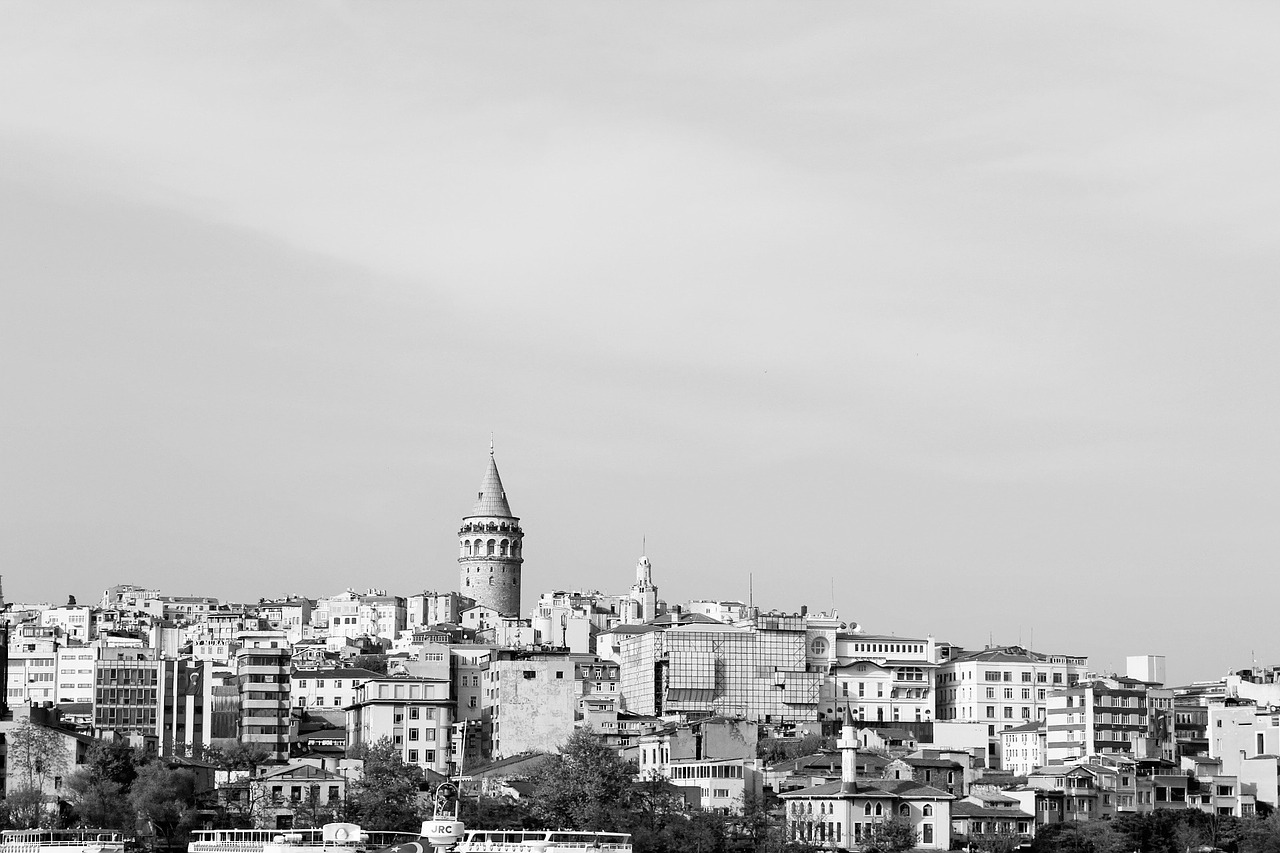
x=386, y=796
x=166, y=798
x=585, y=787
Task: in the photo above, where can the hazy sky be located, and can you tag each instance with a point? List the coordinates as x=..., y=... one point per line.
x=963, y=316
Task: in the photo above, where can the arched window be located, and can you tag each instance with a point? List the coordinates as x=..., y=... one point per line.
x=468, y=544
x=928, y=810
x=502, y=548
x=477, y=547
x=491, y=545
x=879, y=810
x=904, y=810
x=866, y=809
x=515, y=549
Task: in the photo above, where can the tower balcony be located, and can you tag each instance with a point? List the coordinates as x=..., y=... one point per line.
x=491, y=527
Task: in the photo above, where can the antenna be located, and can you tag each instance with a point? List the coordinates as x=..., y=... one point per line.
x=750, y=590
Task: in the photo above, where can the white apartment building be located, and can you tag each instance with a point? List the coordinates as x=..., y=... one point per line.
x=1001, y=687
x=415, y=713
x=1023, y=747
x=1111, y=715
x=33, y=665
x=76, y=668
x=328, y=688
x=881, y=678
x=76, y=623
x=350, y=614
x=721, y=611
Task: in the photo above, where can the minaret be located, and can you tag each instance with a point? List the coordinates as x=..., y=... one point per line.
x=489, y=548
x=848, y=746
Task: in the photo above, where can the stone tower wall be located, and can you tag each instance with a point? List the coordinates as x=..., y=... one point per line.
x=490, y=553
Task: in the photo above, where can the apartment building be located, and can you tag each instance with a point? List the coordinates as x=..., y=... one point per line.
x=881, y=679
x=1109, y=715
x=1001, y=687
x=332, y=688
x=33, y=665
x=263, y=662
x=416, y=714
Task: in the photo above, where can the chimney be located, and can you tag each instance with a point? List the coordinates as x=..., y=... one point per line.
x=804, y=610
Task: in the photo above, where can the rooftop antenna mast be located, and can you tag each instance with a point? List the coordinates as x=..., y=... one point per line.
x=750, y=591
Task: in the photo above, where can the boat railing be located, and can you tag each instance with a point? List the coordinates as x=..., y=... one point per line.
x=500, y=841
x=254, y=840
x=61, y=837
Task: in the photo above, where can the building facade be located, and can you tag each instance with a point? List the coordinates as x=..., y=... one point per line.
x=262, y=675
x=416, y=714
x=1001, y=687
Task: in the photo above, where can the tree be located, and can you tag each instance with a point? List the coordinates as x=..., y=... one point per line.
x=584, y=787
x=238, y=756
x=166, y=798
x=37, y=756
x=891, y=835
x=25, y=807
x=386, y=796
x=99, y=789
x=98, y=802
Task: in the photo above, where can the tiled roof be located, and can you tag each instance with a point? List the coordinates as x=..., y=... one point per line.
x=337, y=672
x=966, y=809
x=944, y=763
x=492, y=500
x=903, y=788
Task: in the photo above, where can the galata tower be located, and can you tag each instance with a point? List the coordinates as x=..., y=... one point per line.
x=489, y=548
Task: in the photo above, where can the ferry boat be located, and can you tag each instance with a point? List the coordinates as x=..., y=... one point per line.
x=447, y=834
x=61, y=841
x=541, y=841
x=330, y=838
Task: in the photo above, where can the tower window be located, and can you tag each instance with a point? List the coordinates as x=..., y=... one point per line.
x=491, y=545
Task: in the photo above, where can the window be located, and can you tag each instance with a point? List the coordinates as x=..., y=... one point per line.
x=413, y=713
x=413, y=734
x=413, y=755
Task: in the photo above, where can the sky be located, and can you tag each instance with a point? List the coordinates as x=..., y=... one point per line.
x=956, y=317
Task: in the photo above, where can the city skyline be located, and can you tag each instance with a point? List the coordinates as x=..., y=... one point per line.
x=959, y=318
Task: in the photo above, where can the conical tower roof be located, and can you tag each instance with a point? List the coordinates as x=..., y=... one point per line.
x=492, y=500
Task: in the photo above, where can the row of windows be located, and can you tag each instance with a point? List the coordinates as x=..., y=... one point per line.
x=492, y=548
x=1008, y=693
x=708, y=771
x=889, y=648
